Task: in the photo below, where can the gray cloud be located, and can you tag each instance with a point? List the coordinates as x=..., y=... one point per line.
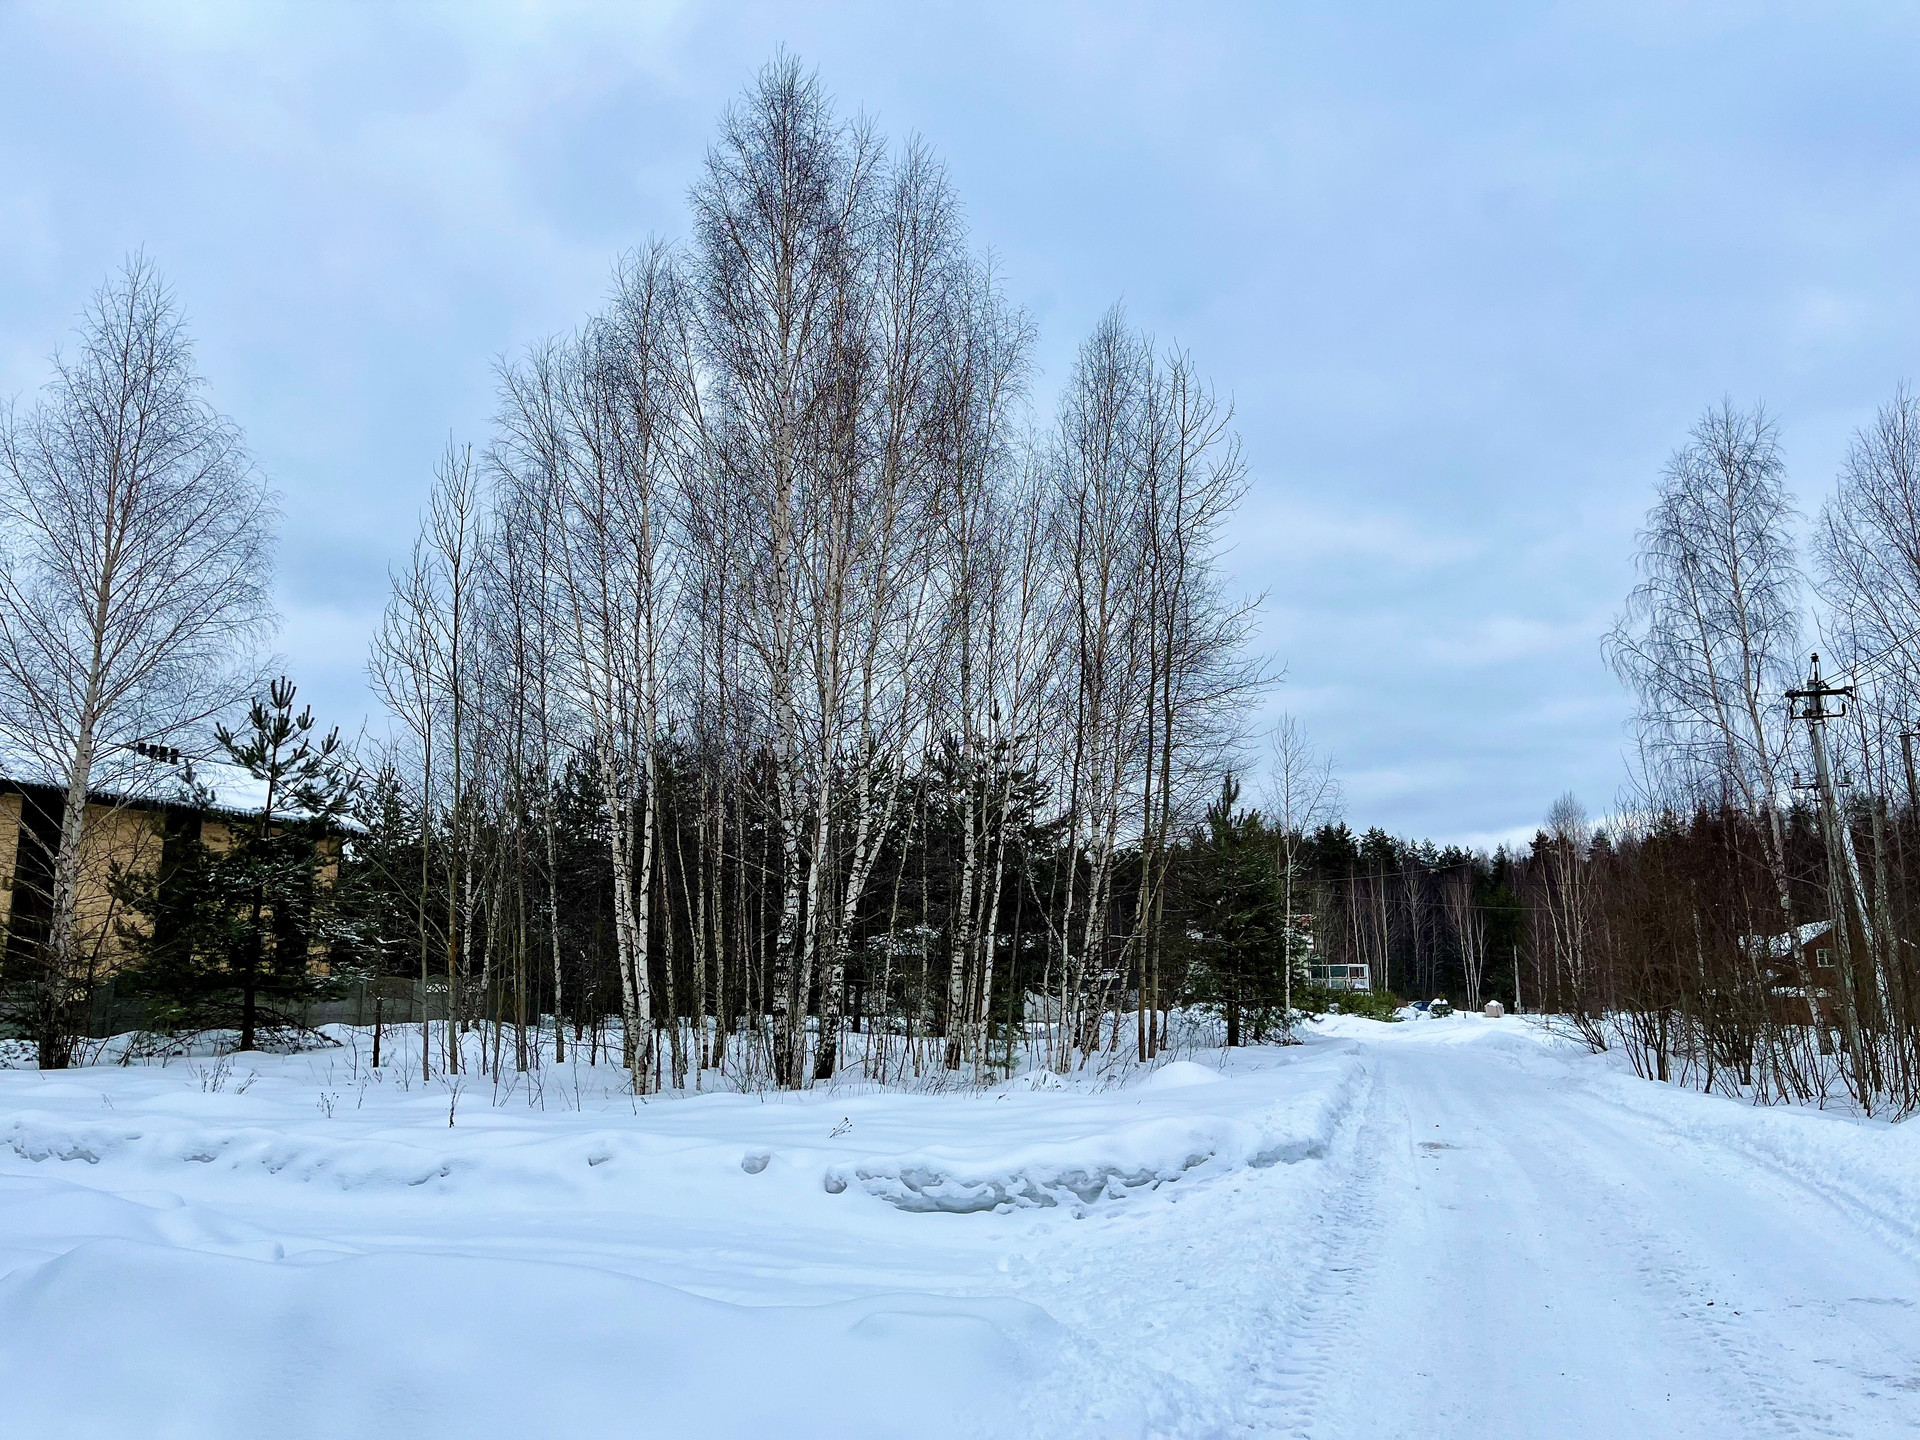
x=1469, y=272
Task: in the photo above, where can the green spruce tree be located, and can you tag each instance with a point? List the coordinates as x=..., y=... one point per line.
x=233, y=927
x=1233, y=914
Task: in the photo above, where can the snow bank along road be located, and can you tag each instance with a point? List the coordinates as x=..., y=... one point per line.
x=1432, y=1229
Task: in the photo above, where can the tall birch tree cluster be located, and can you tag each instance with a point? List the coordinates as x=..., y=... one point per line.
x=769, y=652
x=1753, y=914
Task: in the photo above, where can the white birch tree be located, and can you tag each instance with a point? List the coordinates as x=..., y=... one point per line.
x=136, y=543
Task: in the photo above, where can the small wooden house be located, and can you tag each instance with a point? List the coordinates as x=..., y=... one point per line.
x=1802, y=981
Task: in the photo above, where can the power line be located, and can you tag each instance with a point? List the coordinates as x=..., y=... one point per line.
x=1862, y=667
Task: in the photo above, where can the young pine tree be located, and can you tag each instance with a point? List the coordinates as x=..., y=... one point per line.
x=235, y=919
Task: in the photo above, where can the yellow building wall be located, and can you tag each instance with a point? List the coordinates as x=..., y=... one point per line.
x=216, y=834
x=128, y=841
x=113, y=839
x=9, y=854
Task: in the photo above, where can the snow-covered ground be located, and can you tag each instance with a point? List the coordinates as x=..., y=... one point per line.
x=1443, y=1228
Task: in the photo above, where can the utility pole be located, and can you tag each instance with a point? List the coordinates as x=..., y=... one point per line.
x=1810, y=704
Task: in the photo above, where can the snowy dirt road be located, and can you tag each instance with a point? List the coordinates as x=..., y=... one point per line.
x=1498, y=1243
x=1529, y=1257
x=1434, y=1229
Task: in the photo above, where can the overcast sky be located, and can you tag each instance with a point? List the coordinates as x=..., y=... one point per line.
x=1469, y=273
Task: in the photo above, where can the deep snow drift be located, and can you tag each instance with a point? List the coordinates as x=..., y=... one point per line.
x=1448, y=1227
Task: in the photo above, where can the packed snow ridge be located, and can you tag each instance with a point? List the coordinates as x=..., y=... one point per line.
x=1110, y=1161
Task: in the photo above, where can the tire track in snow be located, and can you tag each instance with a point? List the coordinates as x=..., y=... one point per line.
x=1239, y=1290
x=1756, y=1386
x=1311, y=1332
x=1628, y=1270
